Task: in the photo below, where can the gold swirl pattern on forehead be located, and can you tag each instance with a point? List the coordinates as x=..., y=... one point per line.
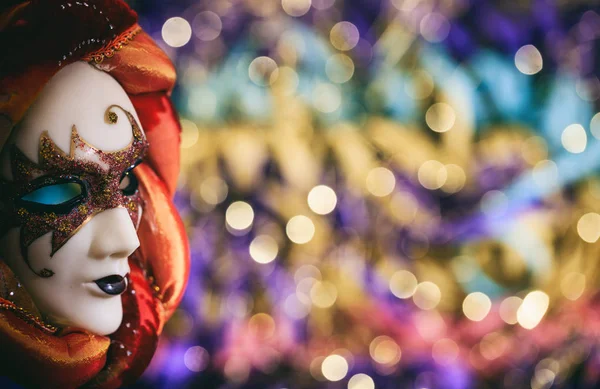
x=47, y=145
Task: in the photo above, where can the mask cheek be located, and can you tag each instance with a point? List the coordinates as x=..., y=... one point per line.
x=15, y=275
x=38, y=254
x=10, y=248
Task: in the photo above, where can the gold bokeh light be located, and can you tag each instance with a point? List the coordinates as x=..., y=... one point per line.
x=322, y=199
x=263, y=71
x=533, y=309
x=213, y=190
x=440, y=117
x=176, y=32
x=295, y=8
x=189, y=133
x=300, y=229
x=403, y=284
x=361, y=381
x=588, y=227
x=344, y=36
x=427, y=295
x=380, y=181
x=432, y=174
x=455, y=180
x=323, y=294
x=263, y=249
x=239, y=215
x=334, y=367
x=476, y=306
x=385, y=351
x=574, y=138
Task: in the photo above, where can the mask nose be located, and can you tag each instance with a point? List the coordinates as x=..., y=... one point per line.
x=114, y=235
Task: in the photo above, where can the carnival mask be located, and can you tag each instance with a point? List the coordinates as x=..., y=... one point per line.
x=70, y=200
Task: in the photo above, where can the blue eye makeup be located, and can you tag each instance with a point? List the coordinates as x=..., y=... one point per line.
x=59, y=197
x=54, y=194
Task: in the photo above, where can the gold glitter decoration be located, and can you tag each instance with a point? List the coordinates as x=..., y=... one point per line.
x=50, y=217
x=64, y=226
x=111, y=117
x=109, y=50
x=28, y=317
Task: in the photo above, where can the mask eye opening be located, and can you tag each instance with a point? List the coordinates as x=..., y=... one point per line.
x=129, y=183
x=59, y=196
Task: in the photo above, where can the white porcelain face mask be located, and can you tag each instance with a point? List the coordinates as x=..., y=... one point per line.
x=72, y=200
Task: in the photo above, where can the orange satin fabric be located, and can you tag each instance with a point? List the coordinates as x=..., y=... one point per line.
x=36, y=357
x=140, y=59
x=72, y=358
x=163, y=236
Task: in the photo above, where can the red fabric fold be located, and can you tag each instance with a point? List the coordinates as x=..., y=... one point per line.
x=37, y=358
x=161, y=125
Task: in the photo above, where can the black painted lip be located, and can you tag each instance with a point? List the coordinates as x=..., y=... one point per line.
x=113, y=285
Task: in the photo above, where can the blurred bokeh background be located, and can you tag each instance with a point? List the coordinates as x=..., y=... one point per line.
x=385, y=194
